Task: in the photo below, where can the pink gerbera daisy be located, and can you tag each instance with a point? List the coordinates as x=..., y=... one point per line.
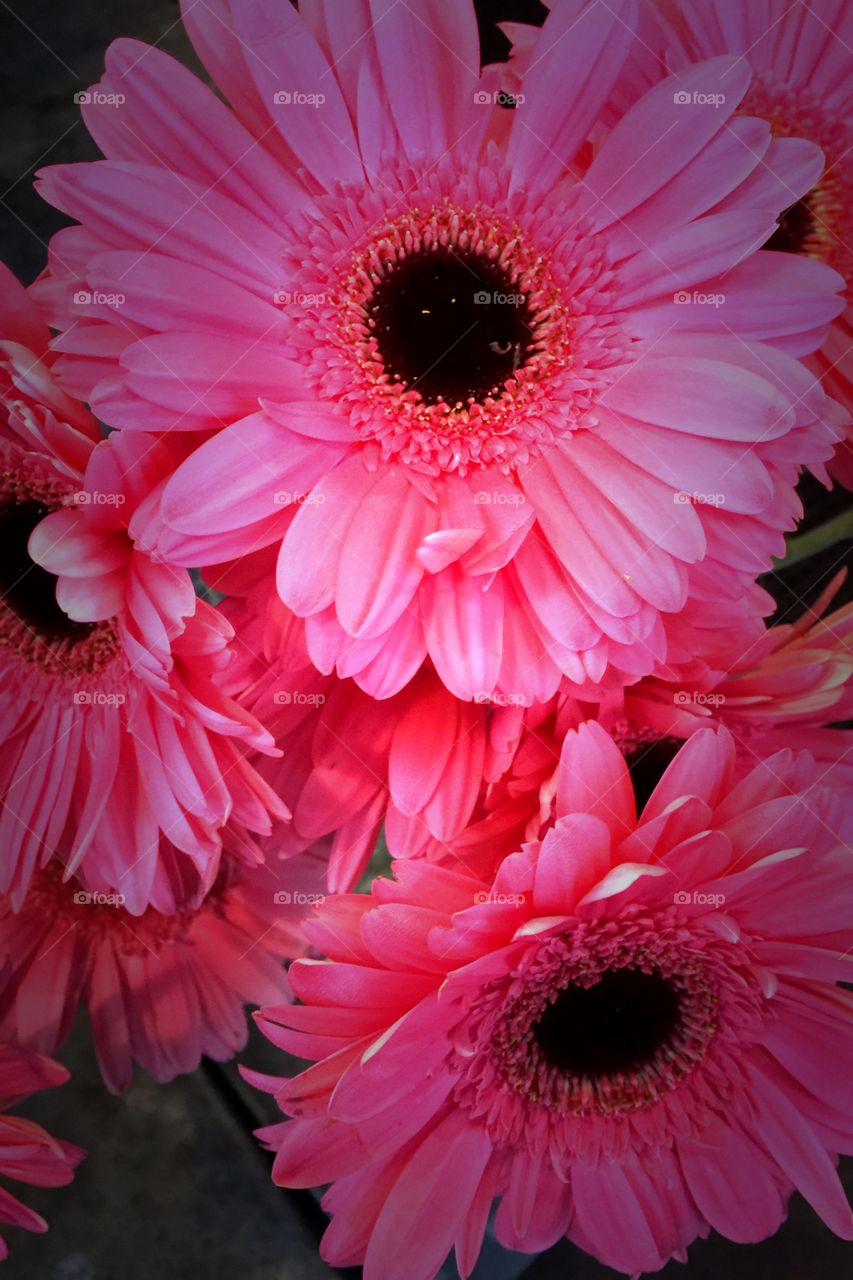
x=161, y=990
x=466, y=781
x=800, y=56
x=630, y=1036
x=415, y=762
x=795, y=683
x=28, y=1153
x=115, y=731
x=445, y=370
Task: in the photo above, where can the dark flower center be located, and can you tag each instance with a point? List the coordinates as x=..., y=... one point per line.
x=647, y=762
x=795, y=230
x=615, y=1026
x=25, y=588
x=450, y=325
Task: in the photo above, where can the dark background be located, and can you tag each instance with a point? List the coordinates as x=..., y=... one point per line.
x=175, y=1187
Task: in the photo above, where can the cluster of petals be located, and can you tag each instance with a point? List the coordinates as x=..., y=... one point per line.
x=463, y=782
x=420, y=525
x=160, y=989
x=799, y=56
x=442, y=1083
x=28, y=1153
x=116, y=734
x=383, y=468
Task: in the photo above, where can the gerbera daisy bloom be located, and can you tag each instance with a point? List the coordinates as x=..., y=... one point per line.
x=800, y=56
x=115, y=730
x=159, y=989
x=630, y=1036
x=436, y=360
x=795, y=681
x=349, y=763
x=795, y=684
x=28, y=1153
x=467, y=781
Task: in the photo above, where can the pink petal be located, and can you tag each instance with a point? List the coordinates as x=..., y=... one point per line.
x=378, y=570
x=575, y=61
x=463, y=628
x=421, y=45
x=312, y=116
x=594, y=779
x=426, y=1206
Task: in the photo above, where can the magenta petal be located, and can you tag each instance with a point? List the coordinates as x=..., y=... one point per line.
x=427, y=1204
x=378, y=570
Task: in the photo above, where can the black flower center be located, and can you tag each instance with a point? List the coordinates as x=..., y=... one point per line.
x=647, y=762
x=450, y=325
x=25, y=588
x=795, y=229
x=615, y=1026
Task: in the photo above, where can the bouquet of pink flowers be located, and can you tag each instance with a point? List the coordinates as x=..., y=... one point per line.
x=391, y=448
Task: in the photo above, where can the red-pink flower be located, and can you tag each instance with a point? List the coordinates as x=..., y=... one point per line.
x=800, y=56
x=415, y=762
x=465, y=782
x=452, y=376
x=630, y=1036
x=160, y=990
x=28, y=1153
x=115, y=729
x=794, y=685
